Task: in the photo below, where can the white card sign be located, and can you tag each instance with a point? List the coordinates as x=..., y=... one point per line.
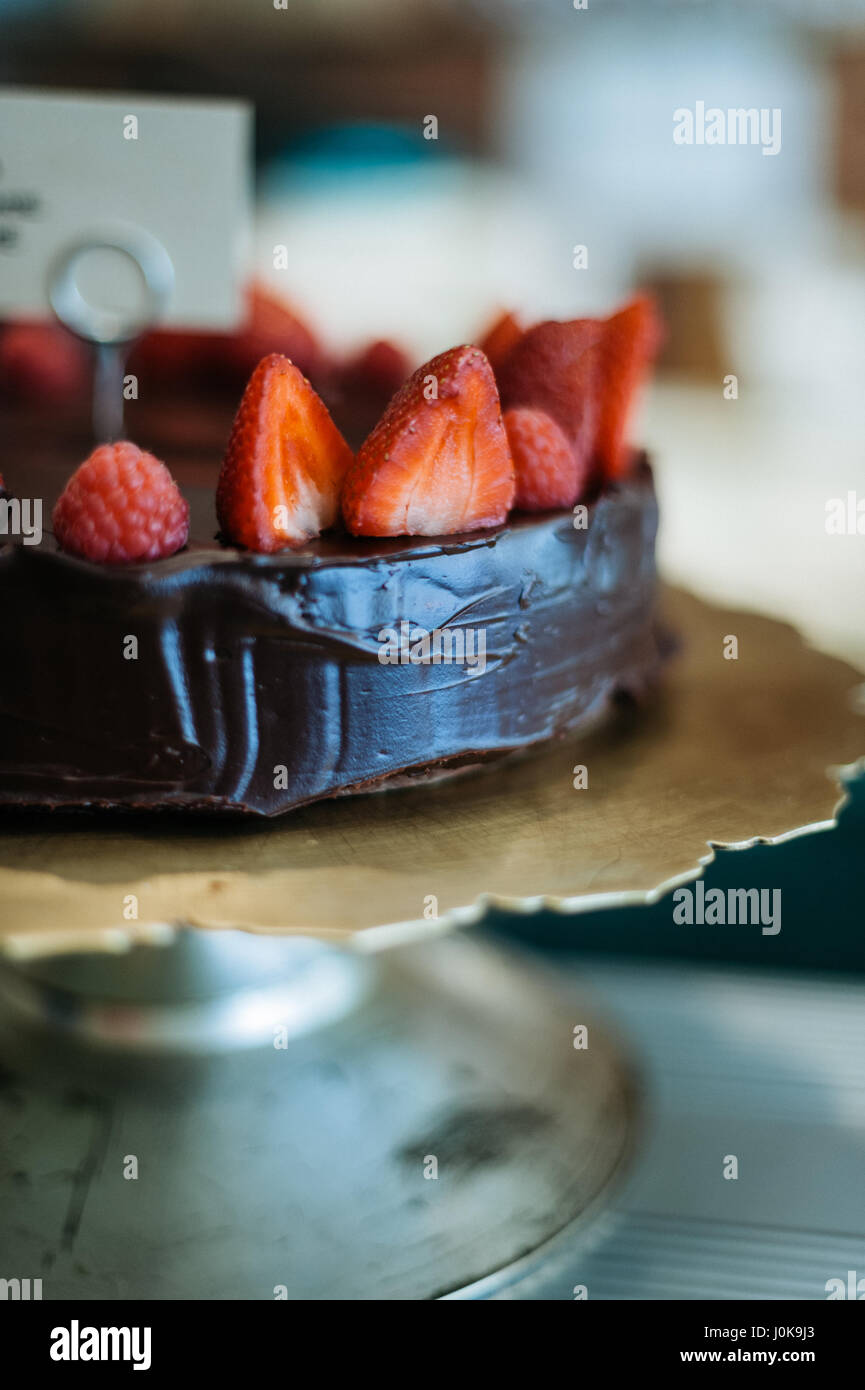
x=79, y=169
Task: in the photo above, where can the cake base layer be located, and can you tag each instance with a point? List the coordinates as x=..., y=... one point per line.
x=221, y=680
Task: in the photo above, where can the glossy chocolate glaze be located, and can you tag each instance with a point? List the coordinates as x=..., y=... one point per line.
x=247, y=664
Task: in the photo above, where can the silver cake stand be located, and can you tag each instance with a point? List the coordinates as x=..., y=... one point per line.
x=230, y=1116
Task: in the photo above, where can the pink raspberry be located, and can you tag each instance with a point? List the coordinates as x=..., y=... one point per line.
x=122, y=505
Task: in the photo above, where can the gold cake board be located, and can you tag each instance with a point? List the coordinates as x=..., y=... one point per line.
x=732, y=751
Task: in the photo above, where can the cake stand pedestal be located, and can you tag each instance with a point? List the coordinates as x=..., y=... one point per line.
x=227, y=1117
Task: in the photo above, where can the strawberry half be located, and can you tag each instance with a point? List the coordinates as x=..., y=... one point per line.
x=628, y=345
x=283, y=470
x=547, y=469
x=502, y=334
x=553, y=367
x=438, y=460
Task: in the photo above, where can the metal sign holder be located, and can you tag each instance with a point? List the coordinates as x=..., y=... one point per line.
x=110, y=332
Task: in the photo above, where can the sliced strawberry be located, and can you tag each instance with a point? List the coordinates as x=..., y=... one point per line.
x=553, y=367
x=502, y=334
x=548, y=471
x=628, y=345
x=285, y=463
x=438, y=460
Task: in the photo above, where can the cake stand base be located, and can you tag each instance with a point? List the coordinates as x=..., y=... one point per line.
x=231, y=1118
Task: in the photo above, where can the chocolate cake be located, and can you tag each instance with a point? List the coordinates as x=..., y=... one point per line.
x=257, y=666
x=249, y=664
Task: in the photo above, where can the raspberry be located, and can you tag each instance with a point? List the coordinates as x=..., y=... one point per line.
x=120, y=506
x=548, y=469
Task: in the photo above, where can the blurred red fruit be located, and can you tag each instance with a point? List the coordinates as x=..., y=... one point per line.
x=227, y=359
x=271, y=326
x=629, y=343
x=553, y=368
x=43, y=362
x=377, y=370
x=502, y=334
x=586, y=375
